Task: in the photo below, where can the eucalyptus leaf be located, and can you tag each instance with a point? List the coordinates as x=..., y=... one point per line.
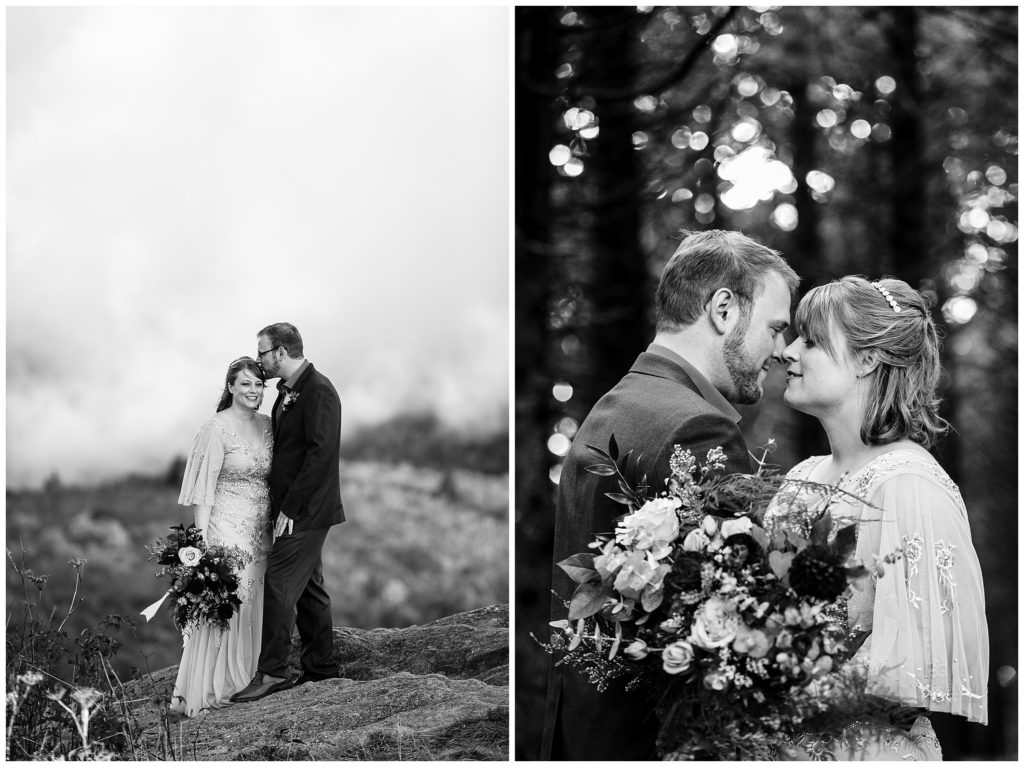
x=619, y=498
x=651, y=600
x=780, y=562
x=821, y=529
x=580, y=567
x=602, y=470
x=846, y=540
x=588, y=599
x=618, y=640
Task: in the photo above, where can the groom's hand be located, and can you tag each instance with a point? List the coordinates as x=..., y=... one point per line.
x=283, y=526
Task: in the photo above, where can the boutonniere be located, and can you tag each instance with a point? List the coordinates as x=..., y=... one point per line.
x=289, y=400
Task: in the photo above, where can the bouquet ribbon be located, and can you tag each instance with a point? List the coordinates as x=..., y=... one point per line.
x=150, y=611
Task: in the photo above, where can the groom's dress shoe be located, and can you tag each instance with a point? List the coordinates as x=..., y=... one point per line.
x=304, y=677
x=260, y=687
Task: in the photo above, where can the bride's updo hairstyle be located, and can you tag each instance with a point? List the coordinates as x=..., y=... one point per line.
x=236, y=367
x=902, y=401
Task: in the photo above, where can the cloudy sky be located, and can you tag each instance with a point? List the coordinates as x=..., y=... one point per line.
x=178, y=178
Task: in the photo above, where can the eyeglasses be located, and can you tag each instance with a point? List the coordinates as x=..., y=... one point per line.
x=259, y=354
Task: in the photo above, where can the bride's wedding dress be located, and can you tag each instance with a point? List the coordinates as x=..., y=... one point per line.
x=927, y=644
x=225, y=471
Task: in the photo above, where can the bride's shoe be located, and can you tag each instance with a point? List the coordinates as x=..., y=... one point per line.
x=261, y=686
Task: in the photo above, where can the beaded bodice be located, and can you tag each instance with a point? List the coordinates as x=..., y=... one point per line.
x=241, y=507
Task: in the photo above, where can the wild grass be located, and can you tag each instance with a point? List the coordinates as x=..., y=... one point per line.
x=62, y=692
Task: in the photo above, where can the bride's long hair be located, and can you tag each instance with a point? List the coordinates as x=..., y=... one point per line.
x=236, y=367
x=902, y=403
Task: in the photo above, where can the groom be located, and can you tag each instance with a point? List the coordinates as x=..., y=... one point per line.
x=305, y=501
x=722, y=308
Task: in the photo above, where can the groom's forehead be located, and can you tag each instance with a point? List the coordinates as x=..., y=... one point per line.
x=772, y=294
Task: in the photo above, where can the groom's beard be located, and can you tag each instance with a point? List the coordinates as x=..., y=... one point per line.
x=743, y=371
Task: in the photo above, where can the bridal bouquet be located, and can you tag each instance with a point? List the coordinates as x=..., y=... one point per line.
x=204, y=579
x=739, y=630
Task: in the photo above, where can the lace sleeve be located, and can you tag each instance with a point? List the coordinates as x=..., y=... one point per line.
x=202, y=468
x=929, y=643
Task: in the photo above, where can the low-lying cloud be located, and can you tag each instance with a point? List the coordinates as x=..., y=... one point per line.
x=179, y=178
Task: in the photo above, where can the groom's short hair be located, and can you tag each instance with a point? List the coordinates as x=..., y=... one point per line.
x=284, y=334
x=708, y=261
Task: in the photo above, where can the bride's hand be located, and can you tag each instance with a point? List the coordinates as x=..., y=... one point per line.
x=281, y=525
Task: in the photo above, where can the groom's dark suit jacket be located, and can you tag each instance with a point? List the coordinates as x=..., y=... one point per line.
x=656, y=406
x=305, y=482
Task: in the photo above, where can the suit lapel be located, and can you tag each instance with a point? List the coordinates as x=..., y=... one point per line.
x=278, y=412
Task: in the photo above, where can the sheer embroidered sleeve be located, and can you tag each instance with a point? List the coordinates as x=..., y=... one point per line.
x=203, y=467
x=929, y=644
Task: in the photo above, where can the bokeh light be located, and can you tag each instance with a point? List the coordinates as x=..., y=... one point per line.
x=826, y=118
x=747, y=86
x=726, y=46
x=959, y=310
x=785, y=217
x=973, y=220
x=699, y=140
x=995, y=175
x=645, y=103
x=573, y=167
x=820, y=182
x=562, y=391
x=746, y=131
x=704, y=203
x=559, y=155
x=559, y=444
x=755, y=176
x=681, y=138
x=885, y=85
x=860, y=129
x=567, y=426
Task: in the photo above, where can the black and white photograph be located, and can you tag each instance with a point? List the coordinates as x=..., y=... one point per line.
x=765, y=383
x=257, y=389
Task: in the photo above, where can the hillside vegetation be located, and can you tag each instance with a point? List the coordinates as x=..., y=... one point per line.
x=419, y=544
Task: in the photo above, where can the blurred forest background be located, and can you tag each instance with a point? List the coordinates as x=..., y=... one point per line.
x=856, y=140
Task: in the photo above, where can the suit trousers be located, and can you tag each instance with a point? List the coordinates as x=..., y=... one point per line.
x=588, y=725
x=294, y=595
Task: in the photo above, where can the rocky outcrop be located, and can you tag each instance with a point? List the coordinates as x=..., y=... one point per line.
x=435, y=692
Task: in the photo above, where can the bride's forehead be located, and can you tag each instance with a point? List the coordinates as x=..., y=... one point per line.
x=248, y=376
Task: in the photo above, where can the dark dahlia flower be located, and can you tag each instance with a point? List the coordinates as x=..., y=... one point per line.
x=818, y=572
x=685, y=574
x=741, y=549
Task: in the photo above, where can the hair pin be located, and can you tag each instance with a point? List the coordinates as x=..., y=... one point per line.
x=886, y=295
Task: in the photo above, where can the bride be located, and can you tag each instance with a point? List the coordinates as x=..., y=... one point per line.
x=226, y=480
x=866, y=365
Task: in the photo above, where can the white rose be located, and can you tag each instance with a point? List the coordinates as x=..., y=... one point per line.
x=637, y=650
x=715, y=624
x=716, y=681
x=677, y=657
x=696, y=540
x=710, y=526
x=736, y=526
x=190, y=556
